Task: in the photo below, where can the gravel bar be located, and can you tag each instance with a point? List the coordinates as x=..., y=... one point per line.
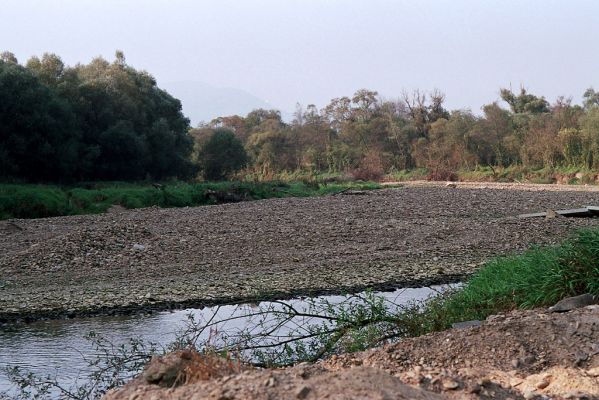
x=157, y=259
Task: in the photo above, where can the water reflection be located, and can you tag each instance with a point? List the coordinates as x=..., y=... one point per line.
x=59, y=347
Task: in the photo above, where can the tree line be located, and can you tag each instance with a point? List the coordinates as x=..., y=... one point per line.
x=369, y=137
x=96, y=121
x=108, y=121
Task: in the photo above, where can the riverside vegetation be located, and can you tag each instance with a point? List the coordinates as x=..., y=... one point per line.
x=39, y=201
x=107, y=121
x=539, y=277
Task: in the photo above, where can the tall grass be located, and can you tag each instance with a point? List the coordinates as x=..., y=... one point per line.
x=539, y=277
x=37, y=201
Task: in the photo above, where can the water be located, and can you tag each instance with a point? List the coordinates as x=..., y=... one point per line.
x=59, y=347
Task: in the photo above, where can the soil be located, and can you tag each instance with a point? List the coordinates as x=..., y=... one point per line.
x=519, y=355
x=155, y=259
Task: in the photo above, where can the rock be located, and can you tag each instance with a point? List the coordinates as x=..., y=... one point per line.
x=302, y=392
x=451, y=185
x=466, y=324
x=115, y=209
x=270, y=382
x=571, y=303
x=450, y=384
x=166, y=371
x=529, y=394
x=543, y=384
x=594, y=372
x=551, y=214
x=139, y=247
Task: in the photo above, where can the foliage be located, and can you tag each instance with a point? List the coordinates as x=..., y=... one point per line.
x=367, y=137
x=222, y=155
x=88, y=122
x=39, y=201
x=108, y=121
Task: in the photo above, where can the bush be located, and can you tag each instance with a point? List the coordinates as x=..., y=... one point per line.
x=222, y=155
x=17, y=201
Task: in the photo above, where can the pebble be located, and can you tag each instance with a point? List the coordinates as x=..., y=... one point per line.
x=302, y=392
x=543, y=384
x=450, y=384
x=594, y=372
x=529, y=394
x=270, y=382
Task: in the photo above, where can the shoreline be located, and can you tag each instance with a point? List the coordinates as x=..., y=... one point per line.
x=33, y=316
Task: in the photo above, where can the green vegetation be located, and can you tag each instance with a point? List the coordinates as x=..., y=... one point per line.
x=38, y=201
x=539, y=277
x=100, y=121
x=221, y=155
x=109, y=121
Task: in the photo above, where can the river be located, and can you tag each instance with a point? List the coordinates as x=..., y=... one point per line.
x=59, y=348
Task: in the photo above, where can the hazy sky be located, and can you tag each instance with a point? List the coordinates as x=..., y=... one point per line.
x=288, y=51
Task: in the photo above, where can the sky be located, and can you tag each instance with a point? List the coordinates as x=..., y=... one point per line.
x=309, y=51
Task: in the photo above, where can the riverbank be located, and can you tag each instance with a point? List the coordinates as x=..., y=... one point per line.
x=530, y=354
x=152, y=259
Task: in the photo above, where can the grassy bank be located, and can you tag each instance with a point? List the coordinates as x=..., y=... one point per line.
x=538, y=278
x=38, y=201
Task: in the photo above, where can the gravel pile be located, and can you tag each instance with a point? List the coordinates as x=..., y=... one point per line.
x=151, y=259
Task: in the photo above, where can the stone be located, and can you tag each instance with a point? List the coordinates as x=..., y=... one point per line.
x=572, y=303
x=165, y=371
x=594, y=372
x=466, y=324
x=543, y=384
x=139, y=247
x=303, y=392
x=551, y=214
x=450, y=384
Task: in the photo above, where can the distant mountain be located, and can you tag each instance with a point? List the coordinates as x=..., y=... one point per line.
x=204, y=102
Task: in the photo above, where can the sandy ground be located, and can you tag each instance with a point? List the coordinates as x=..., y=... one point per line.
x=154, y=258
x=519, y=355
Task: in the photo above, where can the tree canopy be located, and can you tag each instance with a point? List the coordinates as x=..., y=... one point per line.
x=100, y=121
x=108, y=121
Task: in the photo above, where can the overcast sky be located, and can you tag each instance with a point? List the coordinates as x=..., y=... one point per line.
x=309, y=51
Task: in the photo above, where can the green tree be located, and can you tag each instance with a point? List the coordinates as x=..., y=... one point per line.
x=591, y=98
x=108, y=97
x=524, y=102
x=49, y=69
x=39, y=140
x=221, y=155
x=8, y=57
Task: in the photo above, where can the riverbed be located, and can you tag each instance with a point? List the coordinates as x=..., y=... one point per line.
x=158, y=259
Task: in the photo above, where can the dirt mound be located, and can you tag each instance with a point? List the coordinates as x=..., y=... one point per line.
x=523, y=354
